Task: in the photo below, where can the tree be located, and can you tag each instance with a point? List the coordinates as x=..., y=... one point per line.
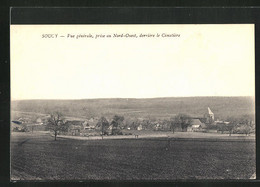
x=116, y=123
x=230, y=127
x=166, y=125
x=221, y=127
x=174, y=124
x=104, y=124
x=246, y=125
x=246, y=129
x=233, y=123
x=181, y=120
x=145, y=124
x=56, y=123
x=135, y=123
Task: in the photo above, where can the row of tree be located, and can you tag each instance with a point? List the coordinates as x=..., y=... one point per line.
x=239, y=125
x=56, y=123
x=115, y=124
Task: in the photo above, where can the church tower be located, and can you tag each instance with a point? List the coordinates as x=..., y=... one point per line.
x=209, y=116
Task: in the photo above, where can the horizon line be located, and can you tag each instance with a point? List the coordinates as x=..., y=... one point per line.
x=128, y=98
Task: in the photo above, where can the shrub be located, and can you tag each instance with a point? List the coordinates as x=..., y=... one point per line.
x=16, y=129
x=128, y=133
x=117, y=132
x=23, y=129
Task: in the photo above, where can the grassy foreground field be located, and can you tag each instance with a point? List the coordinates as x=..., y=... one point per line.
x=39, y=157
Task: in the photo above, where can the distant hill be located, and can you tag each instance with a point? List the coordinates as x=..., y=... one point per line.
x=222, y=107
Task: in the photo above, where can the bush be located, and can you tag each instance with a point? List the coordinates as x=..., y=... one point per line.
x=24, y=129
x=16, y=129
x=106, y=133
x=213, y=127
x=128, y=133
x=117, y=132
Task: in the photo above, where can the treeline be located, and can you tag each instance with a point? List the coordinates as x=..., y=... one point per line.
x=180, y=122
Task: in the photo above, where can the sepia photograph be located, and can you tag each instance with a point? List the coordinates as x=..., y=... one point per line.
x=132, y=102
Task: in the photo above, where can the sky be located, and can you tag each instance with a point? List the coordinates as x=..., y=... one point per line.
x=205, y=60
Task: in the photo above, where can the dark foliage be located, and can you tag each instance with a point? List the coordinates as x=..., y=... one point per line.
x=56, y=124
x=182, y=121
x=103, y=124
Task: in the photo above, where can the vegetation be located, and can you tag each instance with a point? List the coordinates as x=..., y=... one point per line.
x=150, y=158
x=23, y=129
x=242, y=125
x=104, y=124
x=230, y=127
x=56, y=124
x=181, y=120
x=174, y=124
x=116, y=124
x=148, y=114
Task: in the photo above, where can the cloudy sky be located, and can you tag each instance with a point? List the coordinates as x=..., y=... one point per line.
x=206, y=60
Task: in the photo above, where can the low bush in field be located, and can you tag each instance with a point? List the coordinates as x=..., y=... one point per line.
x=23, y=129
x=128, y=133
x=117, y=132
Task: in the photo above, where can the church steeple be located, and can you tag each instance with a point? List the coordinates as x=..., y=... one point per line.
x=209, y=116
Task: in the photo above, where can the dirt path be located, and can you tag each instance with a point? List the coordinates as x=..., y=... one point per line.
x=177, y=135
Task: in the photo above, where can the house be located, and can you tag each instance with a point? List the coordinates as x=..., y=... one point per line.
x=196, y=125
x=17, y=122
x=140, y=127
x=74, y=127
x=16, y=126
x=38, y=120
x=24, y=120
x=88, y=125
x=157, y=126
x=109, y=129
x=208, y=117
x=221, y=122
x=74, y=130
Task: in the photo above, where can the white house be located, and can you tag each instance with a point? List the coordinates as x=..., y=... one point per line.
x=140, y=127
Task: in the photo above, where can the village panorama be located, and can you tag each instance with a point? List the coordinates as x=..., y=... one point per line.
x=133, y=139
x=58, y=124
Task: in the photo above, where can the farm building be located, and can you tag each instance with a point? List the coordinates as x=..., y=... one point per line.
x=42, y=120
x=16, y=126
x=140, y=127
x=221, y=122
x=74, y=127
x=162, y=126
x=208, y=117
x=87, y=125
x=196, y=125
x=157, y=126
x=109, y=130
x=38, y=120
x=24, y=120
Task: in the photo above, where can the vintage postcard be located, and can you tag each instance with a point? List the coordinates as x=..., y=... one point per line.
x=132, y=102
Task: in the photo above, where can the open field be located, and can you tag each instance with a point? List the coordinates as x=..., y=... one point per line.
x=39, y=157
